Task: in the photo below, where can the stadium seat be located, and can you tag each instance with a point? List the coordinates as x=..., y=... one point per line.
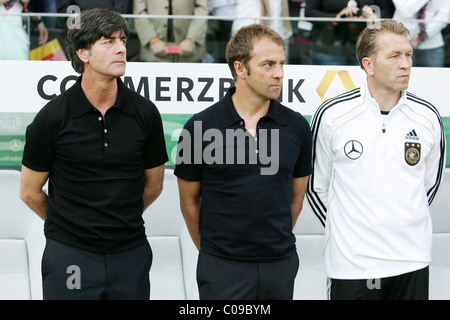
x=173, y=272
x=311, y=280
x=21, y=243
x=440, y=265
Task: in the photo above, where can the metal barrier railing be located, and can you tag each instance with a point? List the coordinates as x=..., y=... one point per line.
x=301, y=41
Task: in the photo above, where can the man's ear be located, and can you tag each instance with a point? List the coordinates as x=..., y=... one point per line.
x=367, y=64
x=240, y=69
x=83, y=55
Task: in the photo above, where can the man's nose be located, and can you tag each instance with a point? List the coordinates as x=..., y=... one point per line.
x=406, y=61
x=278, y=72
x=121, y=46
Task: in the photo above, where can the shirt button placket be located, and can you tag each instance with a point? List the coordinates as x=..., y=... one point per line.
x=105, y=131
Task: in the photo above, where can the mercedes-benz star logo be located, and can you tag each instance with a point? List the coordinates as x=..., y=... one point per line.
x=353, y=149
x=15, y=145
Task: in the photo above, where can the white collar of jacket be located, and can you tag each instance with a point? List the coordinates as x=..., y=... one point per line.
x=373, y=104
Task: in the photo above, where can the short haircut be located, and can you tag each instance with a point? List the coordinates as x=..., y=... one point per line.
x=240, y=46
x=366, y=46
x=93, y=25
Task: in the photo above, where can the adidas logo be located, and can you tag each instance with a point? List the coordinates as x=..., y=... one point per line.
x=412, y=135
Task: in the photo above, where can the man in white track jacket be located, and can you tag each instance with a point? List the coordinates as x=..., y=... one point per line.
x=379, y=156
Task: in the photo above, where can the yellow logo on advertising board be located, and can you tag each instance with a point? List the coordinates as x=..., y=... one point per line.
x=328, y=78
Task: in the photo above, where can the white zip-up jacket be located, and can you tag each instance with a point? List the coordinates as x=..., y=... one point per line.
x=374, y=178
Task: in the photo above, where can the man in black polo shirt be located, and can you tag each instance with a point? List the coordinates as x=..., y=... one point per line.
x=101, y=147
x=242, y=167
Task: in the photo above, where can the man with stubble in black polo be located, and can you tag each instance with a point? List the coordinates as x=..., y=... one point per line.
x=243, y=166
x=101, y=147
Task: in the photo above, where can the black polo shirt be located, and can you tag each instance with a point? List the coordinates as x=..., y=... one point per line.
x=96, y=166
x=245, y=214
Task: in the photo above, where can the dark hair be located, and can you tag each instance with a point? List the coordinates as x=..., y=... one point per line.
x=240, y=46
x=93, y=25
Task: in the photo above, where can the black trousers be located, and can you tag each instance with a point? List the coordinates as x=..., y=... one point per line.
x=70, y=273
x=408, y=286
x=226, y=279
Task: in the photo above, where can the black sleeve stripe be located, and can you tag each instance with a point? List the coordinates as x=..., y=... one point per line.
x=318, y=207
x=433, y=191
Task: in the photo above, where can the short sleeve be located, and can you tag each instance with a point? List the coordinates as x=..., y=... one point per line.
x=188, y=166
x=39, y=148
x=155, y=153
x=303, y=166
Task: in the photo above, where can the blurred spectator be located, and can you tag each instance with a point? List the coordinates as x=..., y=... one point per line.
x=247, y=12
x=14, y=41
x=335, y=42
x=120, y=6
x=301, y=34
x=36, y=23
x=220, y=29
x=426, y=38
x=254, y=11
x=251, y=11
x=129, y=6
x=171, y=40
x=277, y=9
x=224, y=8
x=44, y=6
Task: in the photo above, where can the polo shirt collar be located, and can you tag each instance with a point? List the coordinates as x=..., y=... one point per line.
x=229, y=115
x=79, y=104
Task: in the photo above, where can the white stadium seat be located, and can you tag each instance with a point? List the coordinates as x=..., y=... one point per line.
x=21, y=243
x=440, y=265
x=311, y=280
x=173, y=272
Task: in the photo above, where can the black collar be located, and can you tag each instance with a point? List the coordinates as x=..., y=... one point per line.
x=79, y=104
x=229, y=115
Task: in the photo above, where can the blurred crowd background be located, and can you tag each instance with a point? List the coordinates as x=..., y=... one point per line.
x=316, y=32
